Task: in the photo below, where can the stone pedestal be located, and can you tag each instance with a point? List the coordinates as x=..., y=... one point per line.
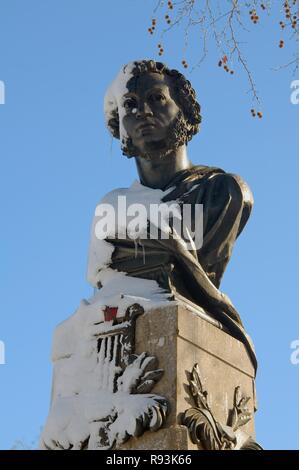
x=181, y=336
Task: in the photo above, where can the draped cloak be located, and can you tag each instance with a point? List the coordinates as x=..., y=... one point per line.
x=195, y=274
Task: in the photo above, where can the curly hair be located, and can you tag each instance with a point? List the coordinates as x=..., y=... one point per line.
x=184, y=96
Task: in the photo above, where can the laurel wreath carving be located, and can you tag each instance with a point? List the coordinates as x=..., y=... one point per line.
x=202, y=425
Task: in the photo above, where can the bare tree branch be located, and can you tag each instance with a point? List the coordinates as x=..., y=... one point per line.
x=222, y=24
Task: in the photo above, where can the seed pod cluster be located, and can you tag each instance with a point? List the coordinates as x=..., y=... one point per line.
x=255, y=113
x=223, y=63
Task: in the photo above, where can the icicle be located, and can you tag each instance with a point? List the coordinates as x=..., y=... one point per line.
x=105, y=365
x=107, y=362
x=113, y=364
x=143, y=253
x=101, y=357
x=136, y=247
x=121, y=338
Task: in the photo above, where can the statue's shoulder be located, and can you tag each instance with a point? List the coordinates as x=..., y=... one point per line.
x=112, y=196
x=194, y=174
x=246, y=191
x=135, y=189
x=210, y=172
x=234, y=186
x=204, y=170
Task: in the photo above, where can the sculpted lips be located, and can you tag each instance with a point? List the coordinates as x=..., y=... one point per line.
x=145, y=125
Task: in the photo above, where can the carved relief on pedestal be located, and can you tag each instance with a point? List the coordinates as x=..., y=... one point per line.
x=122, y=405
x=129, y=376
x=206, y=431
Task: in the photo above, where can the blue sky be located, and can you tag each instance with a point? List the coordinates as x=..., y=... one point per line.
x=57, y=160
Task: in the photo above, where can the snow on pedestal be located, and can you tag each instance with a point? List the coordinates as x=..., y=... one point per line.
x=99, y=389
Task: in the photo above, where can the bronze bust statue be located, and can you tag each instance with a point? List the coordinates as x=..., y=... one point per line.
x=154, y=112
x=103, y=385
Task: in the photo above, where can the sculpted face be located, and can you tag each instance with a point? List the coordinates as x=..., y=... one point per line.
x=151, y=113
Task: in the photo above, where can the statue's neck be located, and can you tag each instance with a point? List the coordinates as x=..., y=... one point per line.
x=157, y=172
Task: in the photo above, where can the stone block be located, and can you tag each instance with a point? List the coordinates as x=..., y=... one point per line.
x=181, y=336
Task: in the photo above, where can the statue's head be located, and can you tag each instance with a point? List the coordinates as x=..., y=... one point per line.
x=151, y=109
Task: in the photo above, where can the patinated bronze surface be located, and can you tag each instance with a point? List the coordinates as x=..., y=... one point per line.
x=160, y=116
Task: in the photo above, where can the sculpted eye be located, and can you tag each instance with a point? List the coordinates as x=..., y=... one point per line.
x=130, y=104
x=157, y=97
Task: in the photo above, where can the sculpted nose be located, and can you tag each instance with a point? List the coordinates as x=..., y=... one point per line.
x=143, y=110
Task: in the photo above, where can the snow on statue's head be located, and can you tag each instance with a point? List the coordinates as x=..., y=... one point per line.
x=181, y=129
